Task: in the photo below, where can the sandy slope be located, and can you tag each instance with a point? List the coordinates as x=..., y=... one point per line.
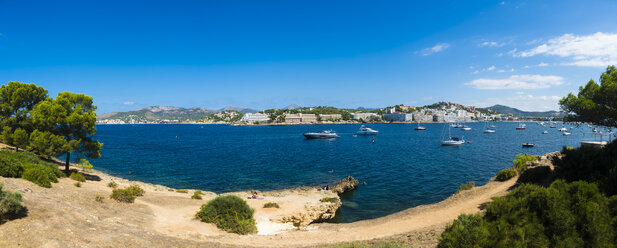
x=67, y=216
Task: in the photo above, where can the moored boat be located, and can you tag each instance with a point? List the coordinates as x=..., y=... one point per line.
x=366, y=131
x=327, y=134
x=521, y=126
x=528, y=144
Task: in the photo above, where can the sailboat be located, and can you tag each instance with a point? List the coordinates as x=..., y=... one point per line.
x=487, y=129
x=521, y=126
x=452, y=141
x=420, y=128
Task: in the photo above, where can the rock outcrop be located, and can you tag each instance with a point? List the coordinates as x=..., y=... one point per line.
x=346, y=184
x=313, y=212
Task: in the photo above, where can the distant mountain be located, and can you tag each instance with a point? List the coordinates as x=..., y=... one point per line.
x=239, y=109
x=158, y=114
x=519, y=113
x=292, y=106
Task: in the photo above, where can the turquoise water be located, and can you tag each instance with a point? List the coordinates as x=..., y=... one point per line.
x=402, y=168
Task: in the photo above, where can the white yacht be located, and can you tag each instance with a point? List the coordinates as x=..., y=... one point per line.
x=521, y=126
x=563, y=129
x=366, y=131
x=420, y=128
x=567, y=133
x=489, y=130
x=466, y=128
x=545, y=132
x=327, y=134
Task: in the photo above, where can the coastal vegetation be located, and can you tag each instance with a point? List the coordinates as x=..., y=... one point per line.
x=229, y=213
x=30, y=167
x=99, y=198
x=505, y=174
x=78, y=176
x=469, y=185
x=520, y=163
x=77, y=184
x=128, y=194
x=329, y=199
x=271, y=205
x=112, y=185
x=33, y=121
x=196, y=195
x=10, y=204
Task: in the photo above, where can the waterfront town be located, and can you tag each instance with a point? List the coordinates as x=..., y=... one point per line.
x=438, y=112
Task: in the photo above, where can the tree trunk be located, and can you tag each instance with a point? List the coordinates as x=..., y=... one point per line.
x=16, y=149
x=68, y=158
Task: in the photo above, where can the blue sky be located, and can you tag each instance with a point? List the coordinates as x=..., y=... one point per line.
x=269, y=54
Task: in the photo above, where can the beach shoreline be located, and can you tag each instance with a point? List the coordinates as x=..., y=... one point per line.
x=166, y=216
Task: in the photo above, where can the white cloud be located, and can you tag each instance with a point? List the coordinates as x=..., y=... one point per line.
x=435, y=49
x=491, y=68
x=491, y=44
x=597, y=50
x=128, y=103
x=525, y=102
x=517, y=82
x=542, y=64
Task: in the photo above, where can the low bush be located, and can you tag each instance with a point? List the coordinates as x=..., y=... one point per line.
x=29, y=166
x=329, y=199
x=271, y=205
x=9, y=167
x=469, y=185
x=78, y=177
x=229, y=213
x=99, y=198
x=122, y=195
x=39, y=174
x=182, y=191
x=10, y=204
x=171, y=190
x=112, y=185
x=77, y=184
x=505, y=174
x=136, y=190
x=520, y=163
x=537, y=175
x=196, y=195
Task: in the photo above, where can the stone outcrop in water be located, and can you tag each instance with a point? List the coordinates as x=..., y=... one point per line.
x=346, y=184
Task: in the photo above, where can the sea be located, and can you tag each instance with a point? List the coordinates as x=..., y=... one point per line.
x=399, y=168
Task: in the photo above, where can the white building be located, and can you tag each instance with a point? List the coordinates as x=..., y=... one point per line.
x=398, y=117
x=364, y=116
x=254, y=117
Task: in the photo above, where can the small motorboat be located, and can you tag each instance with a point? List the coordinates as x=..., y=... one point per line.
x=567, y=133
x=327, y=134
x=563, y=129
x=466, y=128
x=528, y=144
x=521, y=126
x=366, y=131
x=545, y=132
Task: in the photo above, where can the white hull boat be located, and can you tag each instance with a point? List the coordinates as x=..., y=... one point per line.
x=366, y=131
x=328, y=134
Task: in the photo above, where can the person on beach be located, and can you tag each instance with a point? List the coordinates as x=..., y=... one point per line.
x=255, y=195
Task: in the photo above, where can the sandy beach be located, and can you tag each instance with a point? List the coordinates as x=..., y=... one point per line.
x=68, y=216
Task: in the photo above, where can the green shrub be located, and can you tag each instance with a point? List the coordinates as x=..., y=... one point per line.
x=589, y=164
x=505, y=174
x=99, y=198
x=469, y=185
x=9, y=167
x=39, y=174
x=198, y=192
x=329, y=199
x=271, y=205
x=182, y=191
x=10, y=204
x=78, y=177
x=230, y=213
x=136, y=190
x=537, y=175
x=196, y=195
x=520, y=163
x=123, y=195
x=112, y=185
x=171, y=190
x=562, y=215
x=77, y=184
